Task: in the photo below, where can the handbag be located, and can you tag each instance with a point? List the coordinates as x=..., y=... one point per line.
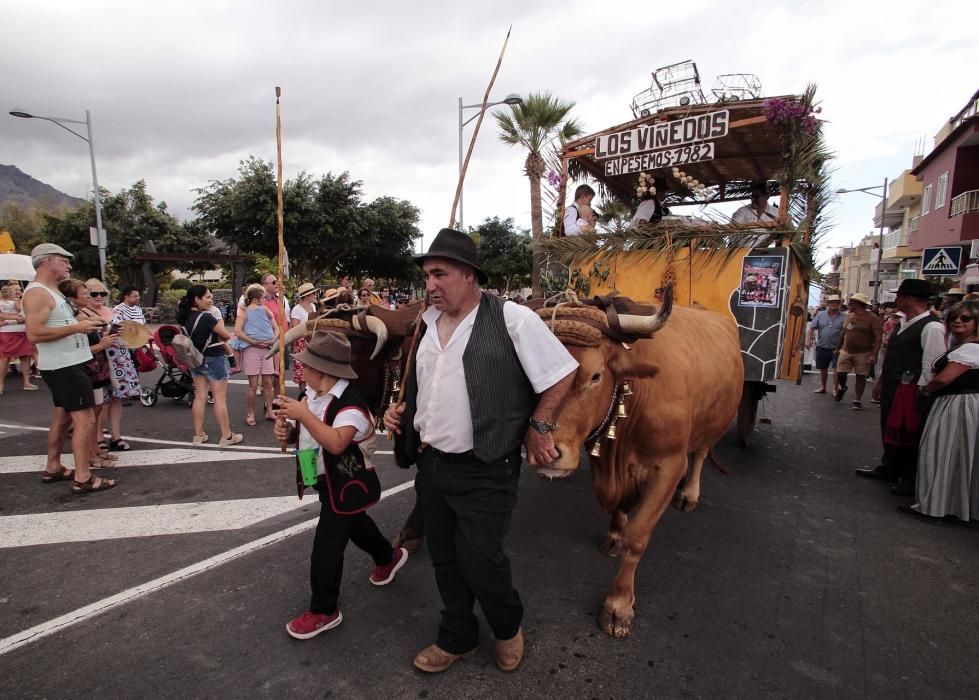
x=143, y=357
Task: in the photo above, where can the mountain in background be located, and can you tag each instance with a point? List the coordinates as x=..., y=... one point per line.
x=20, y=188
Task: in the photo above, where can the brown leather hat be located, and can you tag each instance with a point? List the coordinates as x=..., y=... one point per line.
x=329, y=353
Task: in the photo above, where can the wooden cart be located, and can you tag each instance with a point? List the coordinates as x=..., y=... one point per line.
x=724, y=149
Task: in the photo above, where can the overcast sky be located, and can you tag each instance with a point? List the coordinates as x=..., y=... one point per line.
x=180, y=92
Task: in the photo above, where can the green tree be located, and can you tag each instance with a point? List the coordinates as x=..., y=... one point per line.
x=505, y=253
x=25, y=225
x=328, y=231
x=534, y=124
x=130, y=218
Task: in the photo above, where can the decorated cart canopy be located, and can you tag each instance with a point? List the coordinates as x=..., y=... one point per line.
x=700, y=155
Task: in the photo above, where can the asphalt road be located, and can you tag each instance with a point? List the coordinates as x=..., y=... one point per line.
x=792, y=579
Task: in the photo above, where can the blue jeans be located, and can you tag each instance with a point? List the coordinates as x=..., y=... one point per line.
x=215, y=368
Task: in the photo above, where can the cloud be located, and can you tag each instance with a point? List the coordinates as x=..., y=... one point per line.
x=180, y=92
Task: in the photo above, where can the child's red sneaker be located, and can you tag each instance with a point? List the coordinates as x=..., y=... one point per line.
x=309, y=624
x=383, y=575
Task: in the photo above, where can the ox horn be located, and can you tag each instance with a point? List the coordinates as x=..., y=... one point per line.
x=292, y=335
x=647, y=325
x=375, y=326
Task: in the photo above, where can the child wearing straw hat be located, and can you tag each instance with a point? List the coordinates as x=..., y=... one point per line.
x=328, y=425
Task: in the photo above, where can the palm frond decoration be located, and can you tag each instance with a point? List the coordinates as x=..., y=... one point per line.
x=717, y=242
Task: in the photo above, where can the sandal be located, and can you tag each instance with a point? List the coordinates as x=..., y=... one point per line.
x=100, y=463
x=103, y=446
x=105, y=454
x=119, y=445
x=251, y=421
x=61, y=475
x=91, y=486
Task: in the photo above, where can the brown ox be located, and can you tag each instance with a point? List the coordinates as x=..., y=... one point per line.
x=376, y=338
x=686, y=384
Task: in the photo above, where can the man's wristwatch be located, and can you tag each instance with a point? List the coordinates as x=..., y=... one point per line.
x=543, y=427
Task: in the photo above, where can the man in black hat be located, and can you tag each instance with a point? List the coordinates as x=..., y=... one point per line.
x=488, y=376
x=911, y=349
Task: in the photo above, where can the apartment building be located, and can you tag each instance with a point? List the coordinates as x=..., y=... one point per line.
x=949, y=176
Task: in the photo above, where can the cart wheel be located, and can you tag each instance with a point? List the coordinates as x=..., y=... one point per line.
x=148, y=397
x=747, y=414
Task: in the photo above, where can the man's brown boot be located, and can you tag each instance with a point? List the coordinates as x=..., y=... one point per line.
x=435, y=659
x=509, y=652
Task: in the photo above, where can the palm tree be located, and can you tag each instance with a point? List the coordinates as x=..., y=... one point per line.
x=533, y=124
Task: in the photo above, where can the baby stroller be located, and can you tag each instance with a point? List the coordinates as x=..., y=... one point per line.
x=175, y=382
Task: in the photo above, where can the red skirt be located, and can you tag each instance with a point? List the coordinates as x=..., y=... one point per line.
x=15, y=345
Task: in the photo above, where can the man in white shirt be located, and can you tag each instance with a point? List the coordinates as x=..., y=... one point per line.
x=912, y=348
x=488, y=376
x=574, y=224
x=758, y=211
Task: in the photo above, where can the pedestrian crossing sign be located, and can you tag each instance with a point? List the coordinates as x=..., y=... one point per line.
x=941, y=262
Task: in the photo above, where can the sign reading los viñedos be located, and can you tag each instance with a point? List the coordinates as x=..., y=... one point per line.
x=662, y=145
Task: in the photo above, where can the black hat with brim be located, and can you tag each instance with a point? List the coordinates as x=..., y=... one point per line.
x=456, y=246
x=915, y=288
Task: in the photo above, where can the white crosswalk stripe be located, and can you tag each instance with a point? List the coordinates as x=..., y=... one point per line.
x=141, y=458
x=142, y=521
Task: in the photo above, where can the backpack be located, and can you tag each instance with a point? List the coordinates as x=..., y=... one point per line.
x=185, y=349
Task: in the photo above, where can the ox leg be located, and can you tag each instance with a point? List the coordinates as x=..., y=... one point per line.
x=613, y=542
x=688, y=496
x=618, y=610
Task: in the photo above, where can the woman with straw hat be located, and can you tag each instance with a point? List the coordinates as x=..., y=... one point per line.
x=306, y=294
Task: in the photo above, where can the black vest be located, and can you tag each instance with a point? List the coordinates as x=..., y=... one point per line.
x=965, y=383
x=501, y=398
x=904, y=352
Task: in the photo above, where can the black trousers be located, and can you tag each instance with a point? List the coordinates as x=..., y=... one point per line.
x=466, y=506
x=900, y=462
x=326, y=562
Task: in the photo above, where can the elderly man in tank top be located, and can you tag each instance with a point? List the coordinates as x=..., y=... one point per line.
x=62, y=351
x=488, y=376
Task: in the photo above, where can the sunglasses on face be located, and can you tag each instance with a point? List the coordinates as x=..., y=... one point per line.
x=965, y=318
x=98, y=294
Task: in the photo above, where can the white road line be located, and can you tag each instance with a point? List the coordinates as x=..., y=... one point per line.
x=58, y=624
x=140, y=458
x=141, y=521
x=209, y=446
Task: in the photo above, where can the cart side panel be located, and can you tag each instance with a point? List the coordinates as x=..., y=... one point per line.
x=714, y=283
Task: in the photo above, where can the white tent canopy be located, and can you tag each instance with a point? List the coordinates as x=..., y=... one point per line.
x=16, y=267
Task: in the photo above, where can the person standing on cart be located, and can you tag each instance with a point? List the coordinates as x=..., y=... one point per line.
x=573, y=220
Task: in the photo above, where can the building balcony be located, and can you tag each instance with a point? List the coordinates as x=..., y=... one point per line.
x=896, y=246
x=893, y=217
x=903, y=192
x=964, y=203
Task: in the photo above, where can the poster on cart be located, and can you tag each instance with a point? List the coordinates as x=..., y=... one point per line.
x=761, y=277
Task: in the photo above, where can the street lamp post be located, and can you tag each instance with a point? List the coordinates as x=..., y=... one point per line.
x=60, y=121
x=880, y=235
x=510, y=99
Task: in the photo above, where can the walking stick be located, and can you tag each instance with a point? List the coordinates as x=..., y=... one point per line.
x=409, y=365
x=282, y=254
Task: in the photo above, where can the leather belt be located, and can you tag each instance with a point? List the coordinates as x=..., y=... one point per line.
x=452, y=457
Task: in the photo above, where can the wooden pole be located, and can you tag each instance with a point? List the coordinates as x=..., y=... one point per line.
x=479, y=121
x=282, y=252
x=409, y=363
